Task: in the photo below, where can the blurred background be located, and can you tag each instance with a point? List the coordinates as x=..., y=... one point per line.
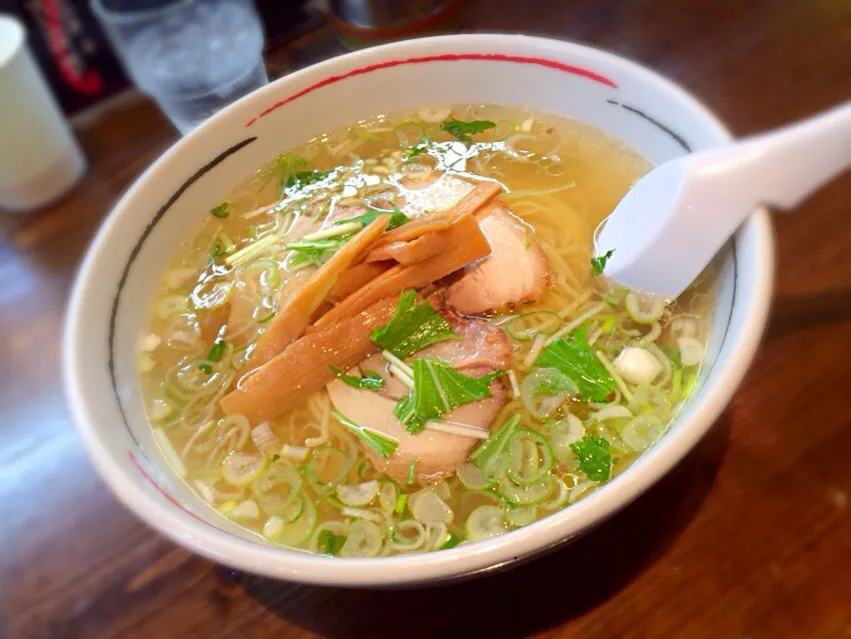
x=84, y=68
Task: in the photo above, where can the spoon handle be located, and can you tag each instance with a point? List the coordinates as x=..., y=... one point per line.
x=791, y=163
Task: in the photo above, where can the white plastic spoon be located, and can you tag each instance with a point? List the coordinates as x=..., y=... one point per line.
x=668, y=227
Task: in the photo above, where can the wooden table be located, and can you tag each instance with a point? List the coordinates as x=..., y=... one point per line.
x=750, y=536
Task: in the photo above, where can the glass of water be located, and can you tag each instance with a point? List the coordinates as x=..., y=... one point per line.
x=192, y=56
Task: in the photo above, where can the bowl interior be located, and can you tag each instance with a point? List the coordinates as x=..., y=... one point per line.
x=109, y=306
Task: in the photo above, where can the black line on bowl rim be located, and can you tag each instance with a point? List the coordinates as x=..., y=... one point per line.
x=676, y=136
x=135, y=253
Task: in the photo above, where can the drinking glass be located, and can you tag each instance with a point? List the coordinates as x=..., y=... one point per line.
x=192, y=56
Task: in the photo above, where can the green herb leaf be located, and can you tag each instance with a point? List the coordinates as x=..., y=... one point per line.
x=672, y=353
x=594, y=457
x=551, y=381
x=494, y=445
x=361, y=468
x=215, y=252
x=416, y=149
x=406, y=413
x=598, y=264
x=370, y=379
x=452, y=541
x=300, y=179
x=379, y=442
x=574, y=357
x=463, y=130
x=412, y=468
x=220, y=210
x=313, y=250
x=397, y=218
x=275, y=457
x=329, y=543
x=213, y=355
x=217, y=350
x=413, y=326
x=283, y=166
x=438, y=388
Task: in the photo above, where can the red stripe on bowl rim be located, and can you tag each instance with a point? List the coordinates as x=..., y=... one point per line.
x=443, y=57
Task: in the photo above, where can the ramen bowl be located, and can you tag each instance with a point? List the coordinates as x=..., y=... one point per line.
x=118, y=277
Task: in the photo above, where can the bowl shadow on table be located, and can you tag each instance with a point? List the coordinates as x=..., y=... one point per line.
x=530, y=597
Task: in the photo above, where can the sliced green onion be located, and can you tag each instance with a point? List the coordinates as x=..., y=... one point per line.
x=358, y=494
x=471, y=477
x=612, y=411
x=227, y=243
x=691, y=351
x=644, y=309
x=521, y=515
x=561, y=496
x=277, y=487
x=379, y=442
x=676, y=386
x=401, y=504
x=326, y=468
x=160, y=410
x=298, y=531
x=387, y=495
x=543, y=390
x=329, y=537
x=332, y=231
x=293, y=511
x=485, y=522
x=273, y=526
x=409, y=479
x=362, y=513
x=641, y=431
x=428, y=508
x=523, y=327
x=240, y=469
x=402, y=539
x=688, y=384
x=452, y=540
x=535, y=461
x=364, y=540
x=245, y=510
x=563, y=434
x=527, y=494
x=255, y=248
x=494, y=445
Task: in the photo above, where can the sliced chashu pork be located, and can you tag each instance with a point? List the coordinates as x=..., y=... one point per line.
x=479, y=349
x=516, y=272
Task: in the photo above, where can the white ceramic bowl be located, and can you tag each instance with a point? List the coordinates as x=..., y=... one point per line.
x=117, y=278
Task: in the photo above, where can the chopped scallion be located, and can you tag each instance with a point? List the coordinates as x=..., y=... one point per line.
x=380, y=443
x=220, y=210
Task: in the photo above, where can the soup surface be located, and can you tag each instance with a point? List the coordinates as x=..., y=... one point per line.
x=394, y=339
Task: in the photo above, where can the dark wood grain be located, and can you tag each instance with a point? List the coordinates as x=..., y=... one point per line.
x=750, y=536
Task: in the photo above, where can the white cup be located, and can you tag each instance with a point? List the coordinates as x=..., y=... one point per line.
x=39, y=157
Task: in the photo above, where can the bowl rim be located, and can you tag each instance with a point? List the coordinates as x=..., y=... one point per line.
x=482, y=556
